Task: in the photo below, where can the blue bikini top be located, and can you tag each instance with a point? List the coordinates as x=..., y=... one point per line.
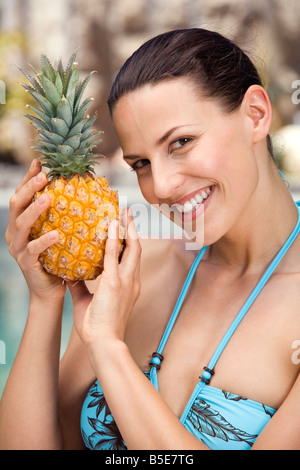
x=220, y=419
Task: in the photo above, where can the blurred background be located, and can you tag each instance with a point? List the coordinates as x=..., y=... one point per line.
x=107, y=32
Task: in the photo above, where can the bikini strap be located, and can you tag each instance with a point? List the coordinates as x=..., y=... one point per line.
x=209, y=370
x=157, y=356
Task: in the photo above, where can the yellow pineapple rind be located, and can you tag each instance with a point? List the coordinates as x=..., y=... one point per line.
x=81, y=209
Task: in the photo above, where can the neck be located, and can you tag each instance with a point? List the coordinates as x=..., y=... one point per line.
x=265, y=225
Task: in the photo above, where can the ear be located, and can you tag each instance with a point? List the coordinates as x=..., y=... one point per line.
x=257, y=106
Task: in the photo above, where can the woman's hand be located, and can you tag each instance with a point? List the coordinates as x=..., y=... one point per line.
x=117, y=290
x=23, y=213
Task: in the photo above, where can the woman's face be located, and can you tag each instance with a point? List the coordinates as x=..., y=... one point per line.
x=188, y=153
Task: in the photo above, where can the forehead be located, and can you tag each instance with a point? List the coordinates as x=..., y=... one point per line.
x=149, y=96
x=153, y=108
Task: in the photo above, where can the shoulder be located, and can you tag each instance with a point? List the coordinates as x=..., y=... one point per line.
x=286, y=280
x=290, y=264
x=284, y=301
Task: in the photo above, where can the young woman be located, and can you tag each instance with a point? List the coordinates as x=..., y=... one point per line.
x=176, y=349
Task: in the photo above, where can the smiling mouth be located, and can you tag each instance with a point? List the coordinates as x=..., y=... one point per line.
x=196, y=201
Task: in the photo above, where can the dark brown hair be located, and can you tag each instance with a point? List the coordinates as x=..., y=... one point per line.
x=220, y=69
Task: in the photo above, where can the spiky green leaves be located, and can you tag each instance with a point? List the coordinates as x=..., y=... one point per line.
x=66, y=135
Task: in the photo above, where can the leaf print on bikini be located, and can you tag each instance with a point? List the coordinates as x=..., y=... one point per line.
x=106, y=435
x=209, y=421
x=232, y=396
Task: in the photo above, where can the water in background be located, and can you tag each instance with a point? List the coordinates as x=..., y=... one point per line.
x=14, y=302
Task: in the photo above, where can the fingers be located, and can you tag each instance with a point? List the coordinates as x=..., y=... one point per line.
x=24, y=193
x=111, y=258
x=31, y=253
x=22, y=213
x=18, y=230
x=27, y=218
x=132, y=253
x=34, y=169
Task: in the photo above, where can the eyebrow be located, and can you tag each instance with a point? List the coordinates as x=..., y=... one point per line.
x=160, y=141
x=168, y=134
x=130, y=157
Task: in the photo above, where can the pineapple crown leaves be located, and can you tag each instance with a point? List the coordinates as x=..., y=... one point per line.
x=66, y=138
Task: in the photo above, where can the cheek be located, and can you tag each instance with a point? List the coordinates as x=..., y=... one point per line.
x=225, y=156
x=210, y=159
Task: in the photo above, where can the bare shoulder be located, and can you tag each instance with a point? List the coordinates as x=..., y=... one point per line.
x=288, y=276
x=284, y=300
x=290, y=263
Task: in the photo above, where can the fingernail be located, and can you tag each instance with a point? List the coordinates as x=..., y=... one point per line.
x=41, y=199
x=39, y=177
x=52, y=235
x=32, y=165
x=113, y=228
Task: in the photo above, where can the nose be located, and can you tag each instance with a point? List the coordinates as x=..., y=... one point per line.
x=166, y=179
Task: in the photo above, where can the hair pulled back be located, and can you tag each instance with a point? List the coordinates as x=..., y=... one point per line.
x=217, y=66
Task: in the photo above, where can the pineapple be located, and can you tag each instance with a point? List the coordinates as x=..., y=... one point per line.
x=82, y=205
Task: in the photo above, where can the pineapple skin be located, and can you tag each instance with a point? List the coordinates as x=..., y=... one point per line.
x=81, y=209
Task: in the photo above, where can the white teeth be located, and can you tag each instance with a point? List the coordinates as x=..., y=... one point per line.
x=189, y=206
x=198, y=198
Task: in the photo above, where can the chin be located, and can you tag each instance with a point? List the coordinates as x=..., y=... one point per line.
x=213, y=234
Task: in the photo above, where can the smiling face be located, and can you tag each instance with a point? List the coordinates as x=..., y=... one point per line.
x=188, y=153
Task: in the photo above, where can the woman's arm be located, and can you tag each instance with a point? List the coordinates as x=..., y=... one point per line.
x=75, y=377
x=142, y=416
x=28, y=408
x=283, y=431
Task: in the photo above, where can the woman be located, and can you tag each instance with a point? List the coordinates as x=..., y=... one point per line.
x=193, y=122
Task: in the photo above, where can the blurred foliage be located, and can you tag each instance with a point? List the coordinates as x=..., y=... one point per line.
x=13, y=50
x=11, y=44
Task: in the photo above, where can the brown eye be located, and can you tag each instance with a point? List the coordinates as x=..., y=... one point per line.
x=179, y=143
x=140, y=164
